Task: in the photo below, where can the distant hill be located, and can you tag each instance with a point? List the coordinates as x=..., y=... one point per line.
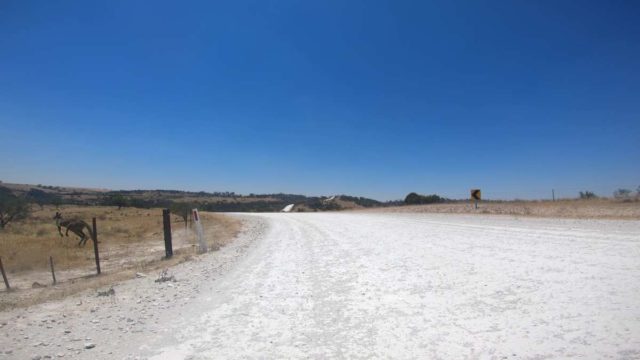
x=206, y=201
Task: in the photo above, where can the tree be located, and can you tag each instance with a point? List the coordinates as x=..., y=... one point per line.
x=415, y=199
x=412, y=199
x=622, y=194
x=12, y=208
x=115, y=200
x=587, y=195
x=182, y=209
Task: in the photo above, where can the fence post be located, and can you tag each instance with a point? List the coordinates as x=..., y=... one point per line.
x=95, y=245
x=53, y=273
x=4, y=276
x=166, y=221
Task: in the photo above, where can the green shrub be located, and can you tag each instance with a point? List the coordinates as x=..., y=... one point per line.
x=587, y=195
x=12, y=208
x=417, y=199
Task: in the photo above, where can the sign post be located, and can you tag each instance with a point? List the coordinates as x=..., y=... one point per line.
x=4, y=276
x=199, y=231
x=53, y=273
x=166, y=222
x=476, y=195
x=95, y=245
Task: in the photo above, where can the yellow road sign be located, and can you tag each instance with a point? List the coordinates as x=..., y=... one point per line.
x=476, y=194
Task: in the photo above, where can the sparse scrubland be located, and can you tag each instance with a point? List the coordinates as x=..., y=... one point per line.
x=130, y=240
x=594, y=208
x=205, y=201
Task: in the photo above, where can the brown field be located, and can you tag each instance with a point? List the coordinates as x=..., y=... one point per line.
x=130, y=241
x=580, y=209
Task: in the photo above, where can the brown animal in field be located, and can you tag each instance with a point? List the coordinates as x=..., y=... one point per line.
x=76, y=226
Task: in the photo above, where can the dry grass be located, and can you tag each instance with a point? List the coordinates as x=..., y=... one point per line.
x=580, y=209
x=131, y=240
x=27, y=245
x=20, y=298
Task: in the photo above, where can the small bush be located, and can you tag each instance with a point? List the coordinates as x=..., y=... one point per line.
x=12, y=208
x=622, y=194
x=587, y=195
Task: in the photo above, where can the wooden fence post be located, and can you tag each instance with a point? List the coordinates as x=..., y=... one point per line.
x=95, y=245
x=166, y=221
x=53, y=273
x=4, y=276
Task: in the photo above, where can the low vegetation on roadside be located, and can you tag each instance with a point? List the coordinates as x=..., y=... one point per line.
x=130, y=240
x=27, y=245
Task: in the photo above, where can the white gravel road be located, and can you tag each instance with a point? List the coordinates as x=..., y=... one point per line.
x=361, y=285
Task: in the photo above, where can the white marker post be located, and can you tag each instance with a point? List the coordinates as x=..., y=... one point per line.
x=199, y=231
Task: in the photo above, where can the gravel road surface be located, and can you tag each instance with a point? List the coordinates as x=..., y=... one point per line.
x=363, y=285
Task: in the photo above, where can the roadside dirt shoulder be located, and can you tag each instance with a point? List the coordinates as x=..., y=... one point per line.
x=574, y=209
x=104, y=325
x=119, y=262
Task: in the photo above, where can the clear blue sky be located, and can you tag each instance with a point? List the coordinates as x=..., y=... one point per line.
x=366, y=98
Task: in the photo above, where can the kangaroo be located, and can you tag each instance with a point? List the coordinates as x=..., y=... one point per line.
x=76, y=226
